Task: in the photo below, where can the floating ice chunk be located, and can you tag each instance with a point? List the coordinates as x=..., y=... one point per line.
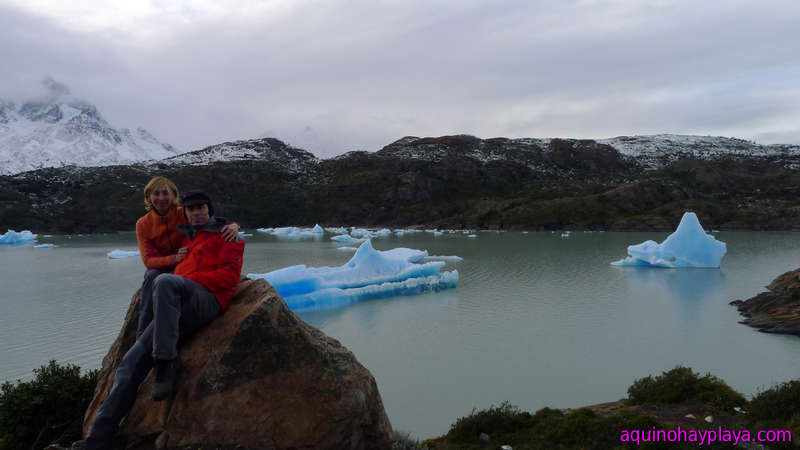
x=406, y=254
x=472, y=235
x=317, y=229
x=286, y=231
x=382, y=232
x=119, y=254
x=361, y=233
x=688, y=246
x=451, y=258
x=346, y=249
x=291, y=232
x=368, y=275
x=406, y=231
x=331, y=298
x=11, y=237
x=44, y=246
x=337, y=230
x=437, y=233
x=48, y=235
x=346, y=239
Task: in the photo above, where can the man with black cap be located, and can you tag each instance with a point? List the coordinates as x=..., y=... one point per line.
x=195, y=294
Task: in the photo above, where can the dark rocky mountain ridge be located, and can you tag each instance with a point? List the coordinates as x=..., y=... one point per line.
x=449, y=182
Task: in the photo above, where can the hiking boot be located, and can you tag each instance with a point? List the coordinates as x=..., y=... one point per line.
x=166, y=374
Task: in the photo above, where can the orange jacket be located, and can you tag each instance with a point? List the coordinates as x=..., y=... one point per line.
x=212, y=261
x=158, y=238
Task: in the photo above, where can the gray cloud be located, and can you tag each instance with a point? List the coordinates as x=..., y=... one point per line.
x=345, y=75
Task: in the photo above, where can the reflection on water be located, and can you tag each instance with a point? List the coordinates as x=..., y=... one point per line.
x=536, y=319
x=684, y=285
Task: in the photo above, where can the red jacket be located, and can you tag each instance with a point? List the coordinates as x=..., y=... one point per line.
x=212, y=261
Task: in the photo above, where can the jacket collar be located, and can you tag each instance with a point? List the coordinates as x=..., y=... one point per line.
x=214, y=225
x=172, y=210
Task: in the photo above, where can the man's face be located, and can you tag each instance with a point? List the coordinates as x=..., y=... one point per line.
x=198, y=214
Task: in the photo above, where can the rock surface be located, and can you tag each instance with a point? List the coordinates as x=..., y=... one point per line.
x=257, y=377
x=778, y=309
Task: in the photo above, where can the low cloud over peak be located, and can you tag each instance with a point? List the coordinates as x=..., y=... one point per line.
x=339, y=76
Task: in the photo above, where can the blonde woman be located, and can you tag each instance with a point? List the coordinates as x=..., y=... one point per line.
x=160, y=240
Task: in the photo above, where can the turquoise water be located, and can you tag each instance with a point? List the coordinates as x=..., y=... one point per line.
x=536, y=319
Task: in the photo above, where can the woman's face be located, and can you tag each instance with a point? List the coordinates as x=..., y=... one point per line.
x=161, y=199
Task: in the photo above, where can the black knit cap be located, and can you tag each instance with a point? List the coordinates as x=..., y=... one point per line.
x=196, y=197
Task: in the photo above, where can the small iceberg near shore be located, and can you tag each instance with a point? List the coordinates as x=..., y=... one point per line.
x=44, y=246
x=347, y=239
x=119, y=254
x=293, y=232
x=688, y=246
x=370, y=274
x=11, y=237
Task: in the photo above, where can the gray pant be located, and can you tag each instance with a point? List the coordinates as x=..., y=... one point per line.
x=146, y=303
x=180, y=306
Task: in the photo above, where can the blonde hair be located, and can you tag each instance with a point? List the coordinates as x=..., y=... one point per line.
x=158, y=183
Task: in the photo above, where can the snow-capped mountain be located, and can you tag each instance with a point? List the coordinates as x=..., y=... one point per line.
x=289, y=158
x=652, y=152
x=59, y=132
x=658, y=150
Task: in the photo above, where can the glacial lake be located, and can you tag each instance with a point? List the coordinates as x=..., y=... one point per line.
x=536, y=319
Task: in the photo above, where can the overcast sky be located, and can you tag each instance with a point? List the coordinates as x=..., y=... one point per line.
x=335, y=76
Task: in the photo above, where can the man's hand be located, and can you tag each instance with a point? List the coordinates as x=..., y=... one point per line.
x=181, y=255
x=230, y=232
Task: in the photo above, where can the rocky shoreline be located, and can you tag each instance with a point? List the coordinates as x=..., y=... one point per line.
x=778, y=309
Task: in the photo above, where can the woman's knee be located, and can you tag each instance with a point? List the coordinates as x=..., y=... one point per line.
x=151, y=275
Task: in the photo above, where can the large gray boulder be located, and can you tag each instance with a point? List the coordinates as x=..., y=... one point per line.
x=257, y=377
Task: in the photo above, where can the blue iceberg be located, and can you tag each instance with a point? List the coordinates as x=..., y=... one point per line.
x=688, y=246
x=370, y=274
x=347, y=239
x=12, y=237
x=119, y=254
x=293, y=232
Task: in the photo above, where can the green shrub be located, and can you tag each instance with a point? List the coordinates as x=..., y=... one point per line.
x=585, y=429
x=47, y=409
x=505, y=418
x=682, y=385
x=777, y=408
x=779, y=403
x=547, y=428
